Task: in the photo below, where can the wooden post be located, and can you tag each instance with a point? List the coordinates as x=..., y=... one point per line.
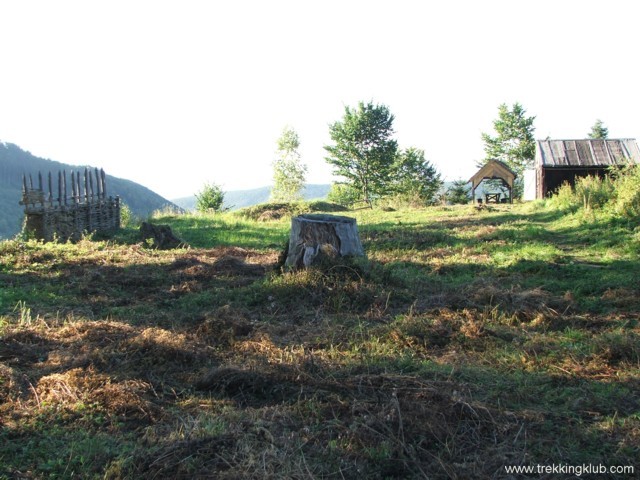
x=86, y=186
x=91, y=183
x=98, y=185
x=74, y=188
x=50, y=190
x=59, y=188
x=64, y=186
x=104, y=183
x=78, y=188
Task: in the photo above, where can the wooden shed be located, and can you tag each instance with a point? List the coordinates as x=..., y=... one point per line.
x=493, y=170
x=560, y=161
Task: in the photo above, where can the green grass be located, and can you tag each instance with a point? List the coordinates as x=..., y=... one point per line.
x=473, y=340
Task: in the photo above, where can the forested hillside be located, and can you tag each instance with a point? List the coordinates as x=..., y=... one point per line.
x=14, y=162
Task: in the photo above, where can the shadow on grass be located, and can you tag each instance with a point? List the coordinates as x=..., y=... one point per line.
x=376, y=414
x=200, y=365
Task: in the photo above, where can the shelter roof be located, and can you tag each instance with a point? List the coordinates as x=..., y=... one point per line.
x=494, y=169
x=591, y=152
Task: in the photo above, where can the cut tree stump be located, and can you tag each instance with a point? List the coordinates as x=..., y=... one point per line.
x=162, y=235
x=316, y=237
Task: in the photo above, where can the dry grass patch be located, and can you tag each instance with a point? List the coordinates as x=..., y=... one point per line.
x=87, y=387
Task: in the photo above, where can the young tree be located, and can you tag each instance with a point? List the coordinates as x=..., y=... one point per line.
x=599, y=130
x=288, y=170
x=343, y=194
x=514, y=143
x=364, y=151
x=458, y=192
x=210, y=198
x=415, y=178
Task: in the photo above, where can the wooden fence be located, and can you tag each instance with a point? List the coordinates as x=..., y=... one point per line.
x=68, y=215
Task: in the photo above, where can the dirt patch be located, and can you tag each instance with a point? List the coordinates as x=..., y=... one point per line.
x=213, y=454
x=229, y=265
x=270, y=215
x=224, y=326
x=248, y=387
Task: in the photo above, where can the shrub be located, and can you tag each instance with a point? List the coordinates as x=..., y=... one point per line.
x=210, y=198
x=627, y=185
x=343, y=194
x=565, y=198
x=126, y=217
x=588, y=193
x=594, y=192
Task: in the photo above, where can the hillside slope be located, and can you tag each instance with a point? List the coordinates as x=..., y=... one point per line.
x=246, y=198
x=471, y=342
x=14, y=162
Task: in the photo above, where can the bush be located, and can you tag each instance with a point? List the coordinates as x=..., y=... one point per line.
x=594, y=192
x=627, y=185
x=343, y=194
x=126, y=216
x=565, y=198
x=210, y=199
x=618, y=193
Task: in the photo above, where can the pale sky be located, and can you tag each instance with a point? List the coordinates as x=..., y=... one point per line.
x=173, y=94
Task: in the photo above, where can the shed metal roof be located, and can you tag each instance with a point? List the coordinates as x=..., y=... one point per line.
x=590, y=152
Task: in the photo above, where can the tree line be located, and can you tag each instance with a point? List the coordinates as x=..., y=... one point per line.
x=370, y=165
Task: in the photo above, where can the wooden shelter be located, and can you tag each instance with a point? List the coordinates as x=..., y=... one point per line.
x=493, y=170
x=560, y=161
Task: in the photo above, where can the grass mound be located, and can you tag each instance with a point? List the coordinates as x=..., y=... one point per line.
x=276, y=211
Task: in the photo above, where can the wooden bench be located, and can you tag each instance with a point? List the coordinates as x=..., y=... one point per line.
x=492, y=197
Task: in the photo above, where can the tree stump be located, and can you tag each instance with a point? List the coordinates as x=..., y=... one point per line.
x=162, y=236
x=315, y=236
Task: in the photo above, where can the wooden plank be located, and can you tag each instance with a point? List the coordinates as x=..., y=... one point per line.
x=571, y=152
x=584, y=152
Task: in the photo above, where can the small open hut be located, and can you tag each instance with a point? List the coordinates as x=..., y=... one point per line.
x=493, y=170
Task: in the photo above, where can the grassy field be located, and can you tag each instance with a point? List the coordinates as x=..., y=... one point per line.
x=473, y=340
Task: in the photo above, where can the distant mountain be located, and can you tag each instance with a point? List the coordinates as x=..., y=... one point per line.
x=14, y=162
x=235, y=199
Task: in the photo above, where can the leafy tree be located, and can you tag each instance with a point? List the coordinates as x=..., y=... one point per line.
x=599, y=130
x=458, y=192
x=364, y=151
x=210, y=198
x=414, y=178
x=343, y=194
x=288, y=171
x=514, y=143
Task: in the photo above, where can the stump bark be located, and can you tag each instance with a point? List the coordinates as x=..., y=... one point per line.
x=316, y=237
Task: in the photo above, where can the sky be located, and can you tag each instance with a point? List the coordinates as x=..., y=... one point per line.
x=176, y=94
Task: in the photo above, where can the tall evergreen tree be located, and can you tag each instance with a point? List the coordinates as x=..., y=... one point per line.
x=458, y=192
x=364, y=151
x=289, y=172
x=210, y=198
x=514, y=142
x=599, y=130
